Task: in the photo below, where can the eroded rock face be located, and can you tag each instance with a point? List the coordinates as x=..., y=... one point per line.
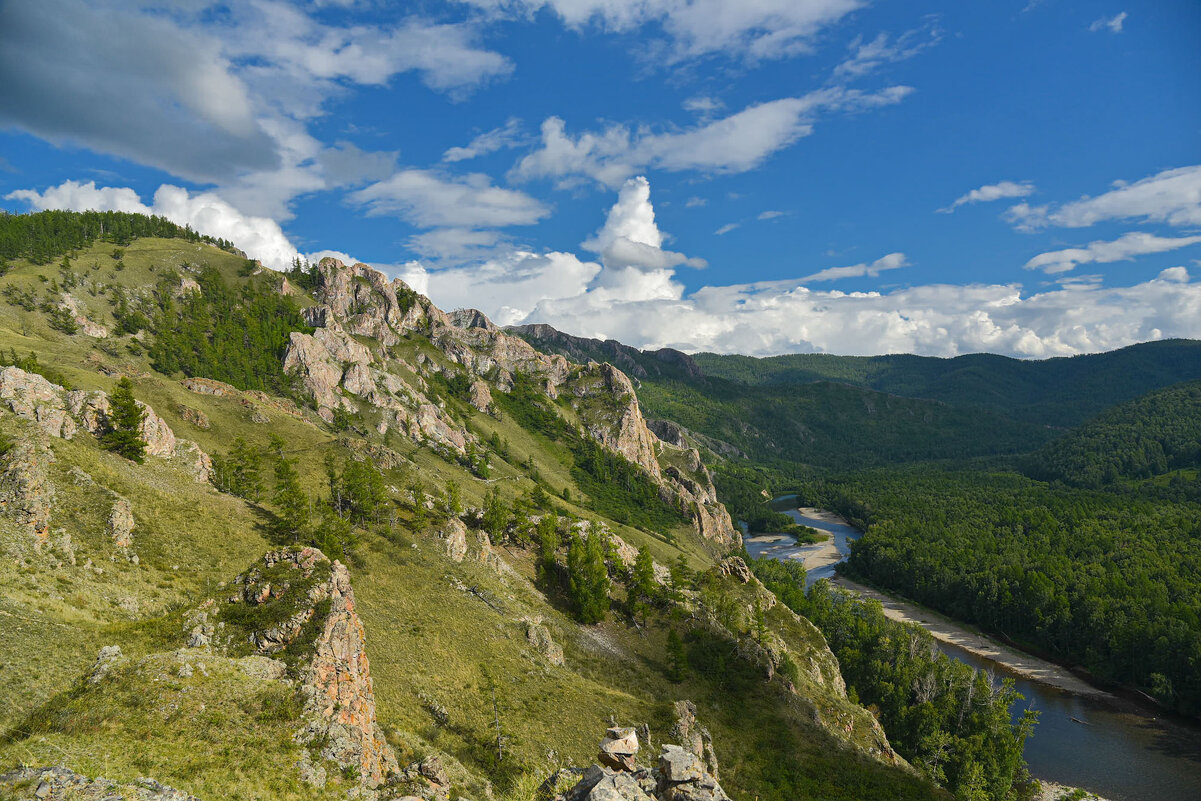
x=339, y=696
x=694, y=737
x=678, y=775
x=26, y=491
x=120, y=522
x=454, y=537
x=79, y=315
x=539, y=637
x=333, y=670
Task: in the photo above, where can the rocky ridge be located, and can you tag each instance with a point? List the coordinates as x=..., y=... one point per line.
x=357, y=304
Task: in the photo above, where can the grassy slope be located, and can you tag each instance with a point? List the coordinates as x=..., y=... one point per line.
x=425, y=638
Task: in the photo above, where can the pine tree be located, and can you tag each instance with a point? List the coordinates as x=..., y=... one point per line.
x=548, y=543
x=677, y=657
x=291, y=501
x=122, y=433
x=588, y=578
x=642, y=577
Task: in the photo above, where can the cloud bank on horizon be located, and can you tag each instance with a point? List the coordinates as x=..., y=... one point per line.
x=829, y=184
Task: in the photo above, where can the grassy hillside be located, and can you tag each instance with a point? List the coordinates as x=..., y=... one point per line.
x=447, y=640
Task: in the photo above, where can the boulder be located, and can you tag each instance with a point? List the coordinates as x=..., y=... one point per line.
x=539, y=637
x=619, y=748
x=454, y=538
x=678, y=765
x=120, y=522
x=26, y=491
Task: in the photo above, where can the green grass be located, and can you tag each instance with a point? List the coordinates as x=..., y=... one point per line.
x=226, y=735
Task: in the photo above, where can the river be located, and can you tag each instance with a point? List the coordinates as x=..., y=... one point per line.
x=1113, y=747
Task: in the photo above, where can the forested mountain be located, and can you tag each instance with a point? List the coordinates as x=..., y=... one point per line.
x=1105, y=580
x=1153, y=435
x=1055, y=392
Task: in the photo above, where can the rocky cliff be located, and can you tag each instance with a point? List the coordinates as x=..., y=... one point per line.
x=367, y=355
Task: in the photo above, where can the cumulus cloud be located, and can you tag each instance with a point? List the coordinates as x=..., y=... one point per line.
x=733, y=144
x=1112, y=24
x=1172, y=197
x=892, y=261
x=506, y=136
x=430, y=199
x=1124, y=248
x=991, y=192
x=749, y=29
x=260, y=237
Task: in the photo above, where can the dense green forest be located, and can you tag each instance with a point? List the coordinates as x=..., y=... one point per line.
x=1104, y=580
x=1147, y=437
x=1055, y=392
x=943, y=716
x=45, y=236
x=233, y=334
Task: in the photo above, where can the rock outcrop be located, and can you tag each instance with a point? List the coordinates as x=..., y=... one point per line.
x=120, y=522
x=320, y=631
x=61, y=784
x=26, y=491
x=62, y=413
x=539, y=638
x=677, y=775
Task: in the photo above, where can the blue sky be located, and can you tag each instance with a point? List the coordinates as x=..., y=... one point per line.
x=762, y=176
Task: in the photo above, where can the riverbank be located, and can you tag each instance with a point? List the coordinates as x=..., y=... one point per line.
x=817, y=555
x=949, y=631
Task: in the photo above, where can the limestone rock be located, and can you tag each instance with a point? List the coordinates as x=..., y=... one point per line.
x=454, y=535
x=31, y=396
x=197, y=463
x=735, y=567
x=694, y=737
x=678, y=765
x=79, y=315
x=194, y=416
x=208, y=386
x=109, y=657
x=26, y=491
x=120, y=522
x=481, y=396
x=539, y=637
x=619, y=748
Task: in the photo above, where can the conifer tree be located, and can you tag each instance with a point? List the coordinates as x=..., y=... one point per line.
x=677, y=657
x=122, y=433
x=642, y=578
x=548, y=543
x=588, y=578
x=291, y=501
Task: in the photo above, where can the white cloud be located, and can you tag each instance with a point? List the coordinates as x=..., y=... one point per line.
x=695, y=202
x=1172, y=197
x=737, y=143
x=867, y=57
x=703, y=104
x=771, y=214
x=1124, y=248
x=506, y=136
x=991, y=192
x=1112, y=24
x=748, y=29
x=260, y=237
x=727, y=228
x=892, y=261
x=429, y=199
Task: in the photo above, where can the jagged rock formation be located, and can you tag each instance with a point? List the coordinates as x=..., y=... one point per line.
x=694, y=737
x=87, y=326
x=60, y=784
x=120, y=522
x=335, y=369
x=309, y=604
x=62, y=413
